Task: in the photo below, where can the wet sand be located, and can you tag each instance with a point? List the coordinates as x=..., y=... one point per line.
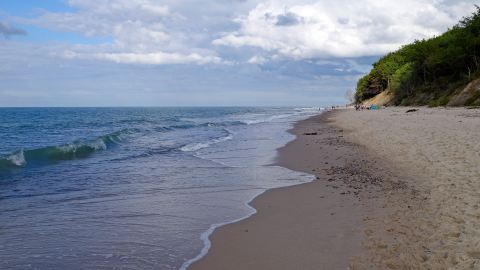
x=318, y=225
x=394, y=190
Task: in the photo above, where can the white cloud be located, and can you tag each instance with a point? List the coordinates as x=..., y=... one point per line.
x=115, y=18
x=257, y=60
x=138, y=29
x=343, y=28
x=158, y=58
x=151, y=58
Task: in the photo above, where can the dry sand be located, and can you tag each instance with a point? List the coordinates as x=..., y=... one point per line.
x=393, y=191
x=438, y=152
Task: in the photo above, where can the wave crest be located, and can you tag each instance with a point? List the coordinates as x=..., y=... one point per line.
x=52, y=154
x=197, y=146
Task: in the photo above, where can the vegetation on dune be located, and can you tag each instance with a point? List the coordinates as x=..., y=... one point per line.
x=428, y=71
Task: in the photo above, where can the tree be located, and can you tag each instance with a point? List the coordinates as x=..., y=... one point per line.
x=428, y=68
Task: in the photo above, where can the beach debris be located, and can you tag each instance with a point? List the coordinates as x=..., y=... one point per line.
x=310, y=133
x=411, y=110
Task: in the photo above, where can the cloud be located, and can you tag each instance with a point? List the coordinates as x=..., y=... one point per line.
x=323, y=29
x=257, y=60
x=133, y=24
x=140, y=32
x=8, y=31
x=154, y=58
x=287, y=19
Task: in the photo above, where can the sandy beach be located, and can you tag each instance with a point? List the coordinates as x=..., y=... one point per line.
x=437, y=153
x=394, y=190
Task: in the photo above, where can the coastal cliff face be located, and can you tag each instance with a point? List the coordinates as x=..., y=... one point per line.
x=441, y=71
x=468, y=95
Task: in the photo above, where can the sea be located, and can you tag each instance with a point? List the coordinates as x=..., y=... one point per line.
x=132, y=188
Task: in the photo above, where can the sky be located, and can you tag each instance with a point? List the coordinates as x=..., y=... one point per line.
x=203, y=52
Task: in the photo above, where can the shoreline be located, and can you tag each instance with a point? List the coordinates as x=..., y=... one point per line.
x=205, y=236
x=393, y=190
x=336, y=224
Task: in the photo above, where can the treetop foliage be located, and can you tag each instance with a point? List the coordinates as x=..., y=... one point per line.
x=428, y=67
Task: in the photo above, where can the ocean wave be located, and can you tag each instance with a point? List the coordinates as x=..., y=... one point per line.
x=207, y=124
x=266, y=119
x=14, y=160
x=192, y=147
x=53, y=154
x=308, y=109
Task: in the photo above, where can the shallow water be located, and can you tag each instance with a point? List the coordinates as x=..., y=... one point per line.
x=131, y=188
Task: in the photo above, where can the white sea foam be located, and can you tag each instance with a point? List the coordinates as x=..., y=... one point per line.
x=266, y=119
x=17, y=158
x=254, y=119
x=205, y=236
x=197, y=146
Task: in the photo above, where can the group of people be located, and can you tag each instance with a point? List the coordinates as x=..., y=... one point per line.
x=359, y=107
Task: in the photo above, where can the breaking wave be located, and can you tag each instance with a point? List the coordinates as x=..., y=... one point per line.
x=53, y=154
x=197, y=146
